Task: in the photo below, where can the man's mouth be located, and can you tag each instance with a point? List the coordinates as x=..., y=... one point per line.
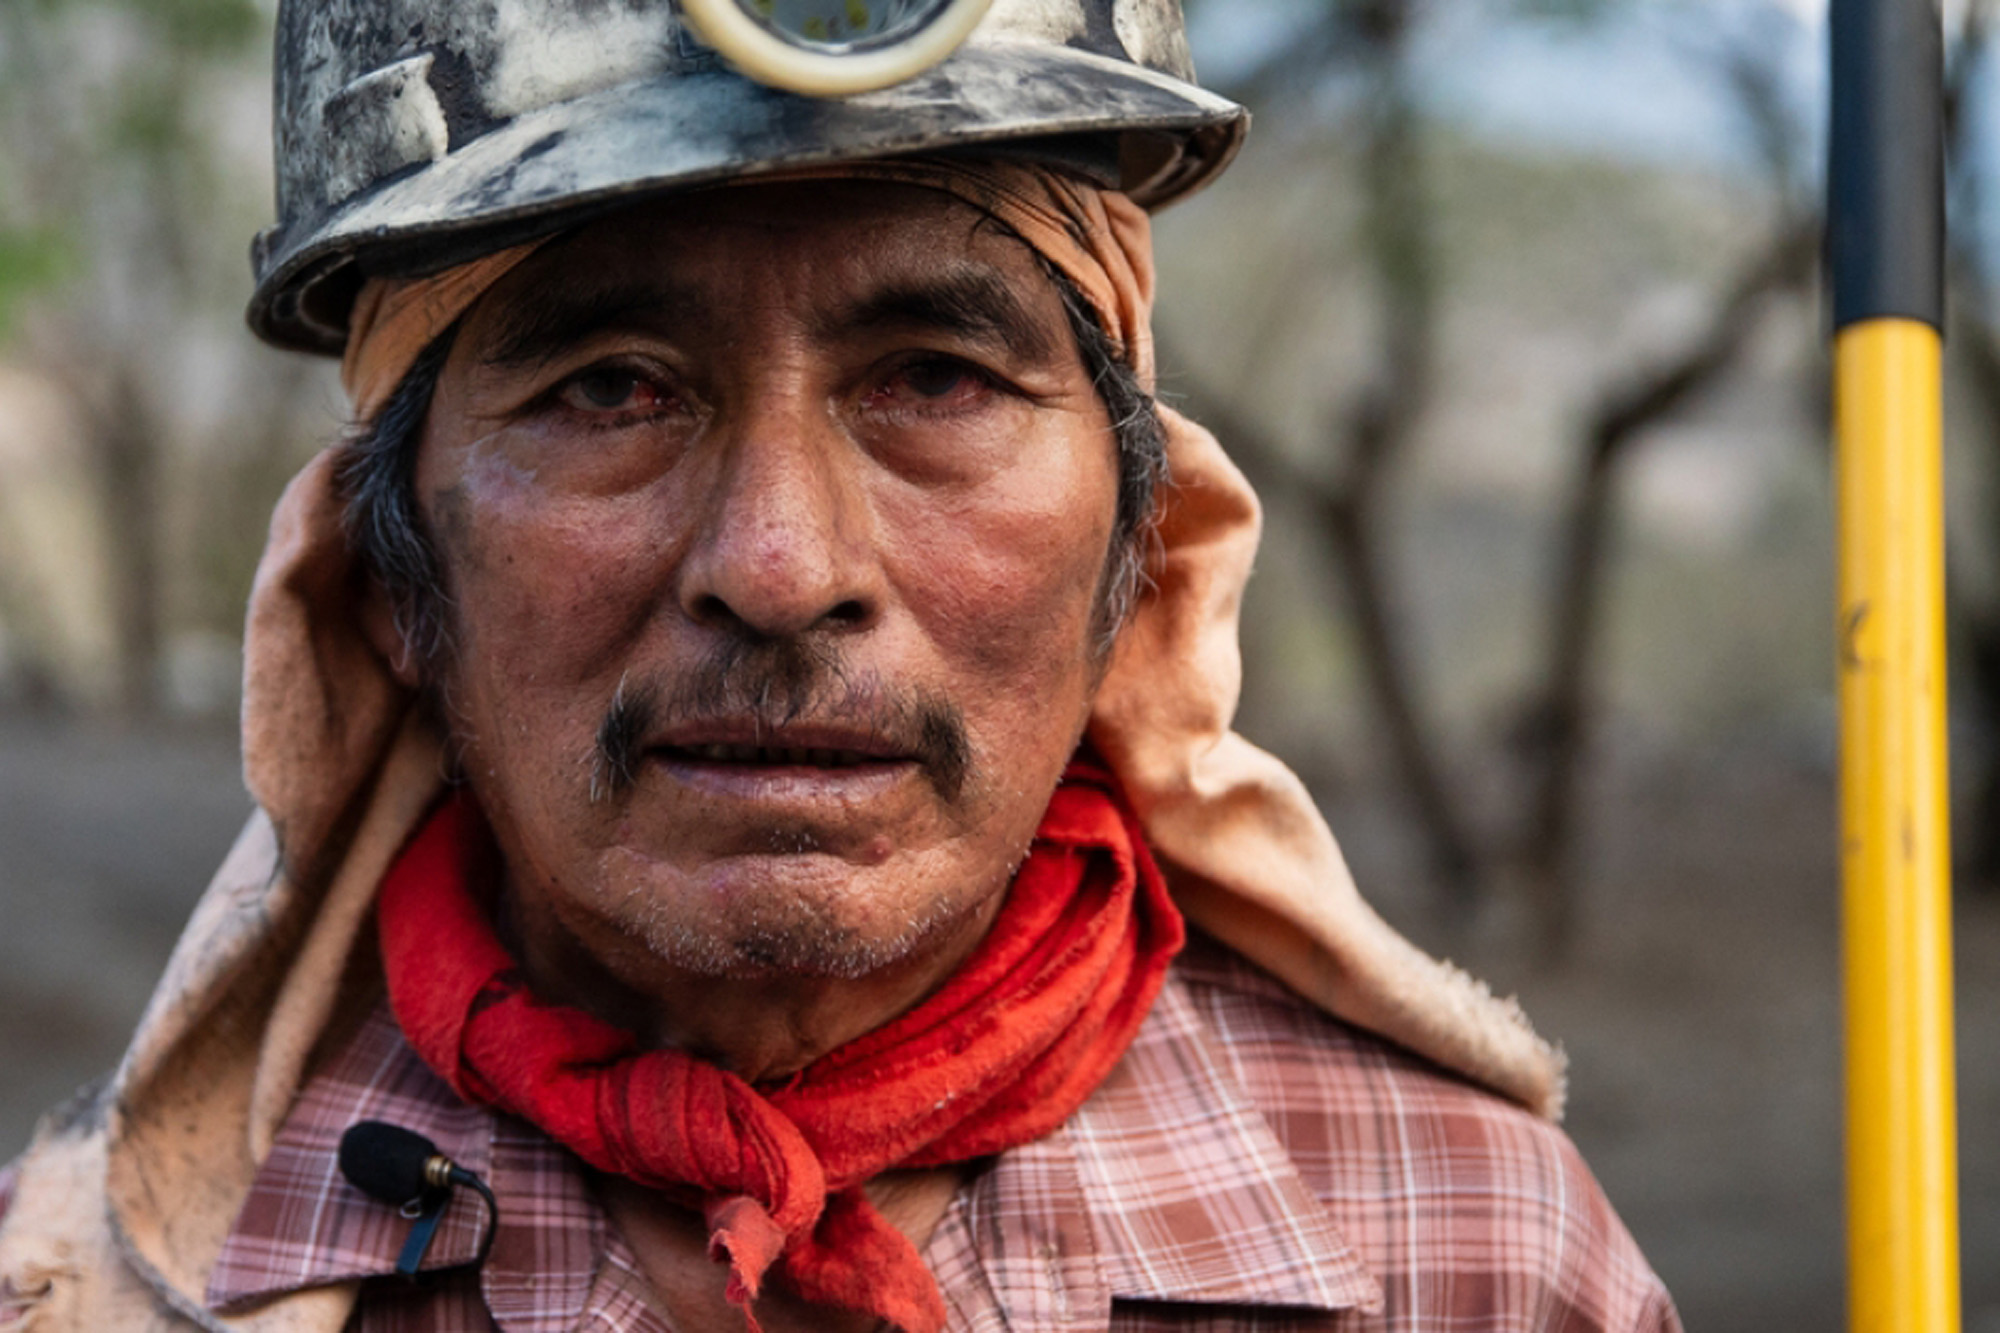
x=793, y=756
x=736, y=731
x=809, y=777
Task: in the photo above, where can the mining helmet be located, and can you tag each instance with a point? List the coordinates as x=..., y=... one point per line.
x=412, y=135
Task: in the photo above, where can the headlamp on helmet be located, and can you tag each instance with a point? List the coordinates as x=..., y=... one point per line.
x=834, y=48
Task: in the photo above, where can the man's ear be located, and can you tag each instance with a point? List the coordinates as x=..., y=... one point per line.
x=379, y=626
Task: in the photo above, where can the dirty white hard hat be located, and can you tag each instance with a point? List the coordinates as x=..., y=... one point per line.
x=415, y=134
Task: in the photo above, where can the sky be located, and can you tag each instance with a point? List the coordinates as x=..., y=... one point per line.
x=1640, y=82
x=1632, y=82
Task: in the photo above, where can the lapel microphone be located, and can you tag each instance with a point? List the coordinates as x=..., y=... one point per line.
x=401, y=1167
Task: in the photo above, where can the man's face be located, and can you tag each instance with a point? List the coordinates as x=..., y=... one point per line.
x=772, y=521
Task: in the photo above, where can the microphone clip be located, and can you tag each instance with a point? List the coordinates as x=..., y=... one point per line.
x=401, y=1167
x=426, y=1212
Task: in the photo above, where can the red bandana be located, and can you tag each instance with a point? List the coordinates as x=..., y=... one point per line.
x=1013, y=1043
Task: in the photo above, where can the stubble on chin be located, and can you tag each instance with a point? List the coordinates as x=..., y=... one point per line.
x=784, y=934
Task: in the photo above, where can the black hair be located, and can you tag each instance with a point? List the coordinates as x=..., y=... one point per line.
x=376, y=475
x=1142, y=457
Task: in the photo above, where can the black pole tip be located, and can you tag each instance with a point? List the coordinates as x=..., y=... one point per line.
x=1885, y=177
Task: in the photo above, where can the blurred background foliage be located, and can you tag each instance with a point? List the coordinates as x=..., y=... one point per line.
x=1510, y=309
x=141, y=432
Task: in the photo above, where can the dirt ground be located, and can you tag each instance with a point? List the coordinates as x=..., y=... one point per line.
x=1700, y=1009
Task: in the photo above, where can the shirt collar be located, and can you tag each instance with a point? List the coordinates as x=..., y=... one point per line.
x=1168, y=1185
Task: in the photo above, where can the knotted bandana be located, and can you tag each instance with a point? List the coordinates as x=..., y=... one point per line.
x=1004, y=1052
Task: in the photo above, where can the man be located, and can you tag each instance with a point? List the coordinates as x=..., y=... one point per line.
x=737, y=727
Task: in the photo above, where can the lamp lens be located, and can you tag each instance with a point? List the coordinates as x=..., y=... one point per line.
x=844, y=25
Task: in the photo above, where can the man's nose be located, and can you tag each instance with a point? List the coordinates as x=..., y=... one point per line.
x=783, y=544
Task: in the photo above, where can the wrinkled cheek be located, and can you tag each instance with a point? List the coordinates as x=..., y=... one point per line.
x=1029, y=640
x=544, y=598
x=1020, y=602
x=550, y=591
x=1023, y=632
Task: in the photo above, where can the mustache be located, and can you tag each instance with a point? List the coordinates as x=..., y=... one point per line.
x=775, y=683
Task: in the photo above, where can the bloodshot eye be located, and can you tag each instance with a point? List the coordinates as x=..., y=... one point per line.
x=932, y=384
x=607, y=388
x=614, y=390
x=936, y=378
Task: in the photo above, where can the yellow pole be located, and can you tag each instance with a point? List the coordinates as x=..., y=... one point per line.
x=1902, y=1167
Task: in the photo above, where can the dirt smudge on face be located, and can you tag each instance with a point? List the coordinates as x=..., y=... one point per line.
x=453, y=529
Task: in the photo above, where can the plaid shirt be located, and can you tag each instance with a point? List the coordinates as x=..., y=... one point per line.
x=1251, y=1165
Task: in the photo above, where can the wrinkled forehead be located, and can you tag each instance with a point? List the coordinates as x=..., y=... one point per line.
x=1098, y=241
x=813, y=250
x=831, y=230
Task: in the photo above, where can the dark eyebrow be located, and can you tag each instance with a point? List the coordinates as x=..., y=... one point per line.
x=977, y=305
x=543, y=322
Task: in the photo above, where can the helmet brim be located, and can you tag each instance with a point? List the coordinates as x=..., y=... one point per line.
x=548, y=169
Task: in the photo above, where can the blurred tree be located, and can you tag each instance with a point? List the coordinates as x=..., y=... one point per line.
x=122, y=198
x=1973, y=350
x=1554, y=736
x=1370, y=40
x=1368, y=45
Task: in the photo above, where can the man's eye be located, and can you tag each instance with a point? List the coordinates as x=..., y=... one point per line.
x=934, y=382
x=935, y=379
x=609, y=389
